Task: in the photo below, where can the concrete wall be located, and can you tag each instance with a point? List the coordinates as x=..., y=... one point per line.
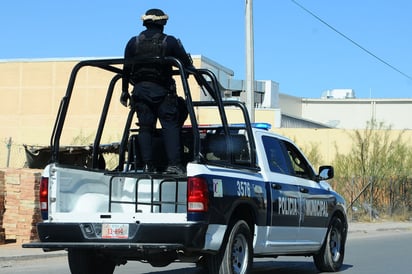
x=31, y=92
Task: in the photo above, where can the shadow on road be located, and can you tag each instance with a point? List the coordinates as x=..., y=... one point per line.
x=263, y=267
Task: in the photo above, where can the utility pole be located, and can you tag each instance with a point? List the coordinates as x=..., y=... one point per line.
x=250, y=77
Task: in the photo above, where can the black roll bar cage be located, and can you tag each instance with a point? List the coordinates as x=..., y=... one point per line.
x=113, y=65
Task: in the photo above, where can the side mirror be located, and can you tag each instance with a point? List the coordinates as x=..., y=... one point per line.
x=326, y=172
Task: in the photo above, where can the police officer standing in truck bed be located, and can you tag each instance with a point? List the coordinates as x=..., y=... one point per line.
x=154, y=93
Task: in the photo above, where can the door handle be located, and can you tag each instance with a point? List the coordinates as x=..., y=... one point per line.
x=276, y=186
x=304, y=190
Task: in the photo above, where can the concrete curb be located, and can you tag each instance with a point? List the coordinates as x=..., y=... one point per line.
x=32, y=257
x=15, y=252
x=374, y=227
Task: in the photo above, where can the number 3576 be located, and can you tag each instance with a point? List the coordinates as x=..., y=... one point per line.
x=243, y=189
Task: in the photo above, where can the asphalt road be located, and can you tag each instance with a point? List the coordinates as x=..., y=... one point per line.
x=376, y=253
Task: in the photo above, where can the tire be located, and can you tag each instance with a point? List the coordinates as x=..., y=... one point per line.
x=82, y=261
x=236, y=256
x=330, y=256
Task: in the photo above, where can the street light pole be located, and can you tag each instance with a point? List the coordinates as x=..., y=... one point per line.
x=250, y=77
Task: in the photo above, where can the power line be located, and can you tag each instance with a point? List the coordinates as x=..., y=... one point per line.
x=351, y=40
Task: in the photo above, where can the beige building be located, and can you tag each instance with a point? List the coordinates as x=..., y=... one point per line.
x=31, y=91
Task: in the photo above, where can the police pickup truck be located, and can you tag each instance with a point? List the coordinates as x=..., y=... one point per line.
x=246, y=192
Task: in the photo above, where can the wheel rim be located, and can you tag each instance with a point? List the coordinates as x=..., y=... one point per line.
x=335, y=244
x=240, y=251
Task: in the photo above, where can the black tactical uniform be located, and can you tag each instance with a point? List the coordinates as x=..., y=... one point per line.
x=154, y=93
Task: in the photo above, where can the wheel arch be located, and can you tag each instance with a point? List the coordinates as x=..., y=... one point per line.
x=342, y=216
x=246, y=212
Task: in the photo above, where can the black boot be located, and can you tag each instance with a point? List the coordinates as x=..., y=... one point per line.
x=149, y=168
x=175, y=169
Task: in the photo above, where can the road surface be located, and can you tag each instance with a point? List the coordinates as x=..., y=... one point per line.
x=372, y=253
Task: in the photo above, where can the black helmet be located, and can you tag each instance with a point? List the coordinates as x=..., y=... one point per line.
x=154, y=16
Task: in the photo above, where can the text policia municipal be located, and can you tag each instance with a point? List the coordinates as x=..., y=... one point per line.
x=312, y=207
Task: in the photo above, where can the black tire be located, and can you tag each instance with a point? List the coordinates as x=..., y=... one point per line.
x=236, y=256
x=330, y=256
x=82, y=261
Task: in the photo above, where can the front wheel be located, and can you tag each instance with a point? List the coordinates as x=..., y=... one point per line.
x=330, y=256
x=236, y=256
x=83, y=261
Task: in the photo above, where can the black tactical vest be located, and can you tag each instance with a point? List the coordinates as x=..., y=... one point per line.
x=149, y=47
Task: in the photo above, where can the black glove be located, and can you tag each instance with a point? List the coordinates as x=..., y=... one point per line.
x=124, y=98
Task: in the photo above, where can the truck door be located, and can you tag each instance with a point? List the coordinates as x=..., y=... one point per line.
x=284, y=211
x=316, y=202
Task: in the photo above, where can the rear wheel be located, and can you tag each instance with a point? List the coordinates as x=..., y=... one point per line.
x=330, y=257
x=89, y=261
x=236, y=256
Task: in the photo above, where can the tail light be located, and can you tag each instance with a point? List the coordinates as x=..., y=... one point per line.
x=44, y=197
x=197, y=194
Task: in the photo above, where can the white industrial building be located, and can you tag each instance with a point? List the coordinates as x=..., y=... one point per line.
x=336, y=108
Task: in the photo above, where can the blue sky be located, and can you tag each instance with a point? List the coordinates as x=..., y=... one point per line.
x=291, y=46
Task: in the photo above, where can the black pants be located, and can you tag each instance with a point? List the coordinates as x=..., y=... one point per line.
x=153, y=102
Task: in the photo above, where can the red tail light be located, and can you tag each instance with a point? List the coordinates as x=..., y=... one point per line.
x=44, y=197
x=197, y=194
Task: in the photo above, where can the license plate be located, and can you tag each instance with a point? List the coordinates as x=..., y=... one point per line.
x=115, y=231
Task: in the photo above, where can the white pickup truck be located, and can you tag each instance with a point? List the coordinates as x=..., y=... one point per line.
x=246, y=193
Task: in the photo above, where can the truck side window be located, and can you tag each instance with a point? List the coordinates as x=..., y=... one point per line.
x=299, y=164
x=216, y=148
x=275, y=155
